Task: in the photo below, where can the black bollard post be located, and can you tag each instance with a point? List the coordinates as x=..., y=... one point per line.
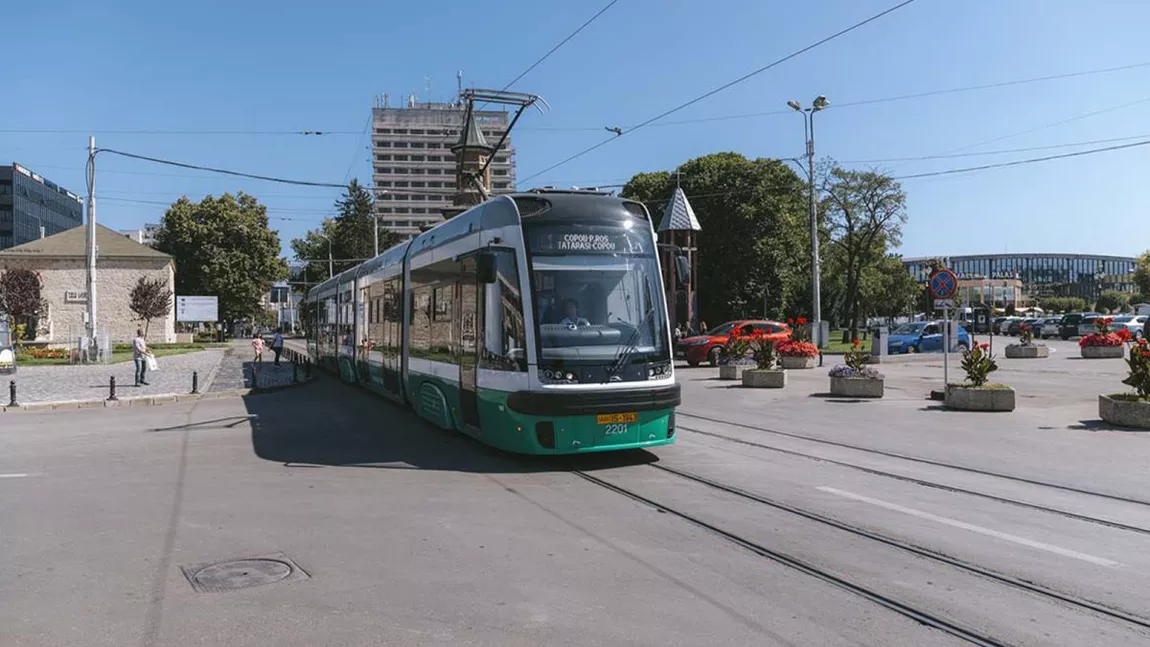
x=112, y=389
x=12, y=394
x=195, y=382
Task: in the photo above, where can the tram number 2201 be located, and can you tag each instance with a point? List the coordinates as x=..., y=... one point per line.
x=615, y=429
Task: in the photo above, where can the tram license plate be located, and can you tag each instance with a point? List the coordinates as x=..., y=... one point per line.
x=616, y=418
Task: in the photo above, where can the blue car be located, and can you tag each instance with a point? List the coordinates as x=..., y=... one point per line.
x=922, y=337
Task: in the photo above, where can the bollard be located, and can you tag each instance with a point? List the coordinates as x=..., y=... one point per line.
x=294, y=370
x=195, y=382
x=12, y=394
x=112, y=389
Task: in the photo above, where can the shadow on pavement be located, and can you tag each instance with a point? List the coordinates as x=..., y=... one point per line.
x=330, y=424
x=1102, y=425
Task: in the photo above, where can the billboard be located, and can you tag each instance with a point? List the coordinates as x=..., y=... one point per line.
x=197, y=309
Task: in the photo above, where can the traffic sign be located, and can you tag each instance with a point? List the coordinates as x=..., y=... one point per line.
x=943, y=284
x=944, y=304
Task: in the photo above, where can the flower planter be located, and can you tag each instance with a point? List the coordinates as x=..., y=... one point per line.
x=856, y=387
x=733, y=371
x=757, y=378
x=965, y=398
x=1030, y=351
x=1124, y=413
x=790, y=361
x=1102, y=352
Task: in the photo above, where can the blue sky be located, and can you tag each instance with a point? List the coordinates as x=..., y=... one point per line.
x=288, y=65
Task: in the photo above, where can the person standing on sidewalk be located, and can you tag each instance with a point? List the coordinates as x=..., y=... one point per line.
x=140, y=356
x=258, y=347
x=278, y=345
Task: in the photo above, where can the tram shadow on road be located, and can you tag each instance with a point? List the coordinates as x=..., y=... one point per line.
x=329, y=424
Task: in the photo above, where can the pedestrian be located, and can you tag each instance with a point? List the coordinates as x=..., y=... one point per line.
x=140, y=354
x=258, y=347
x=278, y=345
x=703, y=327
x=678, y=333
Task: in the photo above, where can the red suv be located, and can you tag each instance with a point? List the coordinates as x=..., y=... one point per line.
x=705, y=347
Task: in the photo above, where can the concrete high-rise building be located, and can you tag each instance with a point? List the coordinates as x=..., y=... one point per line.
x=413, y=168
x=32, y=207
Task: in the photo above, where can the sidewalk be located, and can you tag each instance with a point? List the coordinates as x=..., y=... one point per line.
x=236, y=367
x=90, y=382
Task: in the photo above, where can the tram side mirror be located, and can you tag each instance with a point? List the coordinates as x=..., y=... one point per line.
x=683, y=269
x=485, y=267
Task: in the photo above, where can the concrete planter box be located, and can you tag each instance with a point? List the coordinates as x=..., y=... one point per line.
x=799, y=362
x=733, y=371
x=856, y=387
x=756, y=378
x=1124, y=413
x=1033, y=351
x=970, y=399
x=1103, y=352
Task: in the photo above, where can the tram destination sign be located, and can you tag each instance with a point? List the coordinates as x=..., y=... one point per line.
x=550, y=241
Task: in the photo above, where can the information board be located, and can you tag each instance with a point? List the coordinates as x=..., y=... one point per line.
x=197, y=309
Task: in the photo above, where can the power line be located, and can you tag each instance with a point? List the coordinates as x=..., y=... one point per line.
x=1032, y=160
x=996, y=152
x=97, y=131
x=560, y=44
x=723, y=87
x=363, y=135
x=266, y=178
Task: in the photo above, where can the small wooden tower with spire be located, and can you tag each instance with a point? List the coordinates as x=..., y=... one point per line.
x=678, y=234
x=471, y=154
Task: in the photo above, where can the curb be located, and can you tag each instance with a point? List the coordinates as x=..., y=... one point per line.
x=154, y=400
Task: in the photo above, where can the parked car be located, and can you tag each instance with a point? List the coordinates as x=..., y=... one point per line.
x=922, y=337
x=1086, y=325
x=1016, y=325
x=1069, y=325
x=1048, y=328
x=1004, y=325
x=705, y=347
x=996, y=325
x=1133, y=323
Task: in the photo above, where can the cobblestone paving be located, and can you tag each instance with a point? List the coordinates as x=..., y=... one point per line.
x=237, y=365
x=70, y=383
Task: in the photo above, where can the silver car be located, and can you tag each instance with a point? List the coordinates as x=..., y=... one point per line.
x=1048, y=327
x=1132, y=323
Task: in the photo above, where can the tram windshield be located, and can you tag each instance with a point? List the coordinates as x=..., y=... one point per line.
x=598, y=295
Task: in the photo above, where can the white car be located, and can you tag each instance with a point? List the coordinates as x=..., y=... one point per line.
x=1133, y=323
x=1048, y=327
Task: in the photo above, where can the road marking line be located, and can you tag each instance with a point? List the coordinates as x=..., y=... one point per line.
x=1065, y=552
x=12, y=476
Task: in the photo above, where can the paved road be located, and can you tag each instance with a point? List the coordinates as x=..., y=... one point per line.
x=416, y=536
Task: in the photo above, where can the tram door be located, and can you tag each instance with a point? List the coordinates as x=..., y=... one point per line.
x=470, y=311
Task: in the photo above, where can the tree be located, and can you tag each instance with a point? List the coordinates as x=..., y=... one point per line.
x=888, y=290
x=150, y=299
x=753, y=214
x=223, y=248
x=865, y=211
x=1062, y=304
x=350, y=235
x=21, y=299
x=1112, y=301
x=1142, y=273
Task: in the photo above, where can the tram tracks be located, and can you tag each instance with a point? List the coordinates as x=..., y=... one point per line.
x=906, y=457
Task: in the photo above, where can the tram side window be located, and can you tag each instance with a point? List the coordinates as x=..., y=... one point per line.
x=420, y=341
x=442, y=324
x=504, y=331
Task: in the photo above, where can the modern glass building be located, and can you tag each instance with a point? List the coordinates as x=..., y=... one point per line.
x=1064, y=275
x=32, y=207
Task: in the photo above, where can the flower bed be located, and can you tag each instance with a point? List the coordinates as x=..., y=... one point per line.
x=764, y=375
x=976, y=394
x=1026, y=348
x=1131, y=409
x=1103, y=344
x=798, y=354
x=855, y=379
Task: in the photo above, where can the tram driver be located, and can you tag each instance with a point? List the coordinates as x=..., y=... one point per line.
x=571, y=317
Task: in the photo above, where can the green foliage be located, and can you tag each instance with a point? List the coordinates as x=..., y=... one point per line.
x=737, y=350
x=1061, y=304
x=224, y=248
x=1010, y=310
x=765, y=354
x=978, y=363
x=865, y=211
x=1025, y=334
x=150, y=299
x=856, y=359
x=266, y=318
x=349, y=233
x=1112, y=301
x=1139, y=365
x=21, y=300
x=754, y=219
x=886, y=289
x=1142, y=273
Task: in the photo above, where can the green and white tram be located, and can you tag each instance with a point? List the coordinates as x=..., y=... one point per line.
x=535, y=322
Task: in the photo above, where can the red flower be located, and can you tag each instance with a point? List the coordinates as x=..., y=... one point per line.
x=790, y=322
x=984, y=346
x=855, y=344
x=802, y=321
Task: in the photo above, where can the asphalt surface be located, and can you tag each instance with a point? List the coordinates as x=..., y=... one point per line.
x=810, y=521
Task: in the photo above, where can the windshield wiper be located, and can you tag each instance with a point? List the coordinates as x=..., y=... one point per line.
x=631, y=346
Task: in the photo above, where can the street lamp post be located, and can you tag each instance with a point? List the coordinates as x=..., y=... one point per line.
x=330, y=263
x=808, y=115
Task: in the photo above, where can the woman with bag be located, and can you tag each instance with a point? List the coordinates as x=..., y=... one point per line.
x=140, y=355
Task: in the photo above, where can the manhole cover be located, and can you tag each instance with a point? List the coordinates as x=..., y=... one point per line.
x=242, y=573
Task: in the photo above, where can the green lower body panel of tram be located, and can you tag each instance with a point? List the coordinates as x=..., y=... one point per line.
x=438, y=401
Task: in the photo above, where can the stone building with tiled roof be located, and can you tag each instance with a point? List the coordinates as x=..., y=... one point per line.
x=61, y=261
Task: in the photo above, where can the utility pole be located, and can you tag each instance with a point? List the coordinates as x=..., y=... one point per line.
x=92, y=328
x=808, y=115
